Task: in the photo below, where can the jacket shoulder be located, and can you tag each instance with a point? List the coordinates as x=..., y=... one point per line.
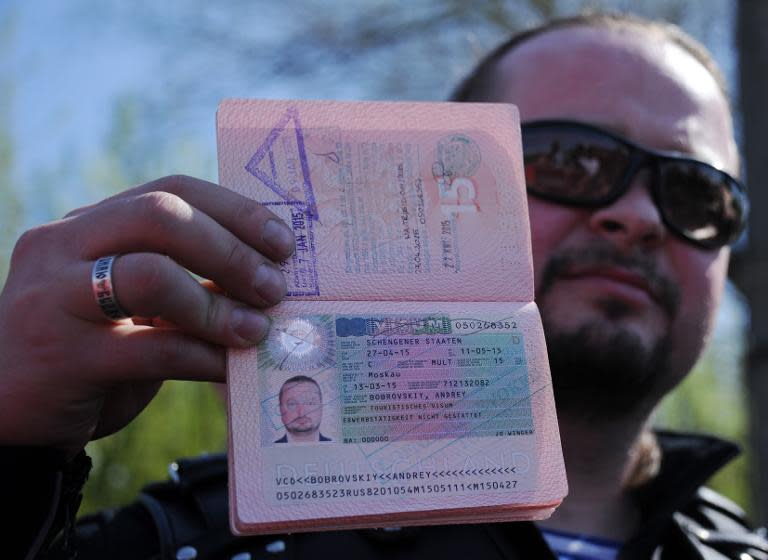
x=185, y=516
x=713, y=522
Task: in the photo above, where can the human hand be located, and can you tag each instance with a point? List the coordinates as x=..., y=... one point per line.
x=68, y=374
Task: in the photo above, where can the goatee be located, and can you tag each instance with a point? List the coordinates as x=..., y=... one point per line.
x=603, y=375
x=604, y=369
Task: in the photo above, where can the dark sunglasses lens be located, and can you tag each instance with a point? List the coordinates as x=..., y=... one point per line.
x=701, y=203
x=571, y=164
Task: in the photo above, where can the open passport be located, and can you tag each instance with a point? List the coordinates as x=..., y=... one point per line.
x=405, y=378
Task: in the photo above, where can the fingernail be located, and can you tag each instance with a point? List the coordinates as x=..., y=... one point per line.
x=279, y=237
x=269, y=282
x=250, y=325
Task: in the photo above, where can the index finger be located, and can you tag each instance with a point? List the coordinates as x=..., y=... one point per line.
x=247, y=219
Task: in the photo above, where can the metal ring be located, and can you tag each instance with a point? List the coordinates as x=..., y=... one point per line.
x=104, y=290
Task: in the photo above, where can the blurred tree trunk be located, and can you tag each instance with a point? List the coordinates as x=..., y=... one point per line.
x=750, y=268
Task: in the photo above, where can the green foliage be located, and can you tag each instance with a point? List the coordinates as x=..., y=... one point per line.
x=184, y=419
x=10, y=206
x=132, y=154
x=709, y=402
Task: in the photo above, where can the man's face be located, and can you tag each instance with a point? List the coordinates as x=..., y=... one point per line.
x=301, y=407
x=626, y=305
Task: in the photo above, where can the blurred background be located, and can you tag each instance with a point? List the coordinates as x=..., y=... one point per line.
x=99, y=96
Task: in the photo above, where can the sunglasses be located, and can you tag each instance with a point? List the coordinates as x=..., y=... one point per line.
x=582, y=165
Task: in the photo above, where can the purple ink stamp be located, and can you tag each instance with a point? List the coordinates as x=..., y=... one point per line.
x=282, y=166
x=300, y=269
x=272, y=180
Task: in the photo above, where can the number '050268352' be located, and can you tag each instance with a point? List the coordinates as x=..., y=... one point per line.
x=472, y=324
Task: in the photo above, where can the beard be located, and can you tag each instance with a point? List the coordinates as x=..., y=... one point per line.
x=602, y=369
x=297, y=427
x=599, y=374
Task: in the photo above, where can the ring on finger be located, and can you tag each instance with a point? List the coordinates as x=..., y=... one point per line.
x=104, y=289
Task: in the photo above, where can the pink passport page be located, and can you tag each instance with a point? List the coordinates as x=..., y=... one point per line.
x=405, y=379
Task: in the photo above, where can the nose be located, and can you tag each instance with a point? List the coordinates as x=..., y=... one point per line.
x=632, y=220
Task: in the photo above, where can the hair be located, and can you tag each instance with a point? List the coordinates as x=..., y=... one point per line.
x=478, y=84
x=297, y=379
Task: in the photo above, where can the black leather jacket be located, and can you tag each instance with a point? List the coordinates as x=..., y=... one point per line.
x=187, y=518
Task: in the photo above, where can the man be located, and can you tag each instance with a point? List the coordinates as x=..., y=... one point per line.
x=627, y=299
x=629, y=271
x=301, y=410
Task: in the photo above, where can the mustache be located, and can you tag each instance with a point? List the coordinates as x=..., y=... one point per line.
x=565, y=262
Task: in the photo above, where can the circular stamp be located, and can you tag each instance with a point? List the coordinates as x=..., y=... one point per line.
x=300, y=343
x=459, y=155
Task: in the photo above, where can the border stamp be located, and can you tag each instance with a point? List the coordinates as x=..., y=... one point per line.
x=301, y=268
x=271, y=180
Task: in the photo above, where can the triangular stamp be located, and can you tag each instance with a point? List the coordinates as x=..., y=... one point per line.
x=262, y=164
